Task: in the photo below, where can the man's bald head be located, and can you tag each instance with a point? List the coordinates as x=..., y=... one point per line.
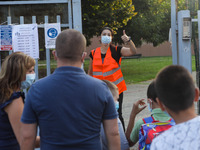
x=70, y=45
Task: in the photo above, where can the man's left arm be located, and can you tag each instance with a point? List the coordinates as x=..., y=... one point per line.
x=28, y=136
x=112, y=134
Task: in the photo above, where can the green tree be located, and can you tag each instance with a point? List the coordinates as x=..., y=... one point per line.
x=100, y=13
x=152, y=22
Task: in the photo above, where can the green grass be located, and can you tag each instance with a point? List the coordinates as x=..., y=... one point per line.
x=143, y=69
x=134, y=70
x=137, y=70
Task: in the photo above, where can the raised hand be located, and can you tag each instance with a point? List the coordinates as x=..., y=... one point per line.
x=124, y=37
x=138, y=106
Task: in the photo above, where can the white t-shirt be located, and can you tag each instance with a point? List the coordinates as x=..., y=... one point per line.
x=183, y=136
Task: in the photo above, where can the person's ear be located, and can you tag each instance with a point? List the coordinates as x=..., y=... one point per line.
x=83, y=56
x=196, y=98
x=54, y=55
x=162, y=107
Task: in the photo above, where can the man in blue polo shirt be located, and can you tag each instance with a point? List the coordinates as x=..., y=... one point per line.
x=69, y=105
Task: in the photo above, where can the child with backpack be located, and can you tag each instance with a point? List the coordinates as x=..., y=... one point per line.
x=177, y=95
x=156, y=118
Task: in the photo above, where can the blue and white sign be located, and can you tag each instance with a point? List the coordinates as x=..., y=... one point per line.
x=6, y=37
x=51, y=32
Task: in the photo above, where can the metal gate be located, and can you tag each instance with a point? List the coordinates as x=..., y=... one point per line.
x=74, y=19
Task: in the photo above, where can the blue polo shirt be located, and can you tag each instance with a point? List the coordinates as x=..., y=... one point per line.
x=69, y=107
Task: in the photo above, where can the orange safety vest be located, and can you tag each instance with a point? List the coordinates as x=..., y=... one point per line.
x=109, y=70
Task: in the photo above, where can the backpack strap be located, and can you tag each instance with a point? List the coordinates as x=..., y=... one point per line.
x=171, y=120
x=148, y=119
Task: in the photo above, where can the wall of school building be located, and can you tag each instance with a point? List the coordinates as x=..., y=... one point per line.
x=147, y=49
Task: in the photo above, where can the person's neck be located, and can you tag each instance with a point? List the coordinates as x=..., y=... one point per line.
x=64, y=63
x=183, y=116
x=104, y=48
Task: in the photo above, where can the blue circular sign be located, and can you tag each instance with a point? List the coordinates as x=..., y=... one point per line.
x=52, y=33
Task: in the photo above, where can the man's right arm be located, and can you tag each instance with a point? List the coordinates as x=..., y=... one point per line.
x=112, y=134
x=28, y=136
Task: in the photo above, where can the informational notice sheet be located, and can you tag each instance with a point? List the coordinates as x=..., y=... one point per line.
x=51, y=32
x=25, y=39
x=6, y=37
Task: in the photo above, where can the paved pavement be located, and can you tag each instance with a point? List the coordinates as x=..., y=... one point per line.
x=135, y=92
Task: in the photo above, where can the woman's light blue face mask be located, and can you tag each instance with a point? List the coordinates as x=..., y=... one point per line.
x=30, y=78
x=105, y=39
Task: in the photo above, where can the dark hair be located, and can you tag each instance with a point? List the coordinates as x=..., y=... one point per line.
x=151, y=91
x=107, y=28
x=175, y=88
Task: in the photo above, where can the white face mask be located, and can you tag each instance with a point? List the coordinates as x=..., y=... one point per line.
x=105, y=39
x=28, y=82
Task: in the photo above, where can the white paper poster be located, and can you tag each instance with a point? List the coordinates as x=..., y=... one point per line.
x=51, y=32
x=5, y=37
x=25, y=39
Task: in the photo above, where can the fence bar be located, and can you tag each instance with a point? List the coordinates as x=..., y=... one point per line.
x=36, y=60
x=199, y=50
x=21, y=19
x=58, y=18
x=70, y=14
x=48, y=63
x=22, y=22
x=9, y=23
x=32, y=2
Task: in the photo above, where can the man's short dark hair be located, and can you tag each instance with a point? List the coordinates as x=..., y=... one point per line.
x=70, y=45
x=175, y=88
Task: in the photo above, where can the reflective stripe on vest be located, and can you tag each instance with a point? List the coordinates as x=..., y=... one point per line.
x=118, y=81
x=97, y=73
x=106, y=73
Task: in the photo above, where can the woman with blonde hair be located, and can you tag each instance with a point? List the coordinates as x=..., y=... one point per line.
x=17, y=72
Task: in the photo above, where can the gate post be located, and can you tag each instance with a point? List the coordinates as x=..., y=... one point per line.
x=173, y=32
x=77, y=17
x=48, y=64
x=184, y=39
